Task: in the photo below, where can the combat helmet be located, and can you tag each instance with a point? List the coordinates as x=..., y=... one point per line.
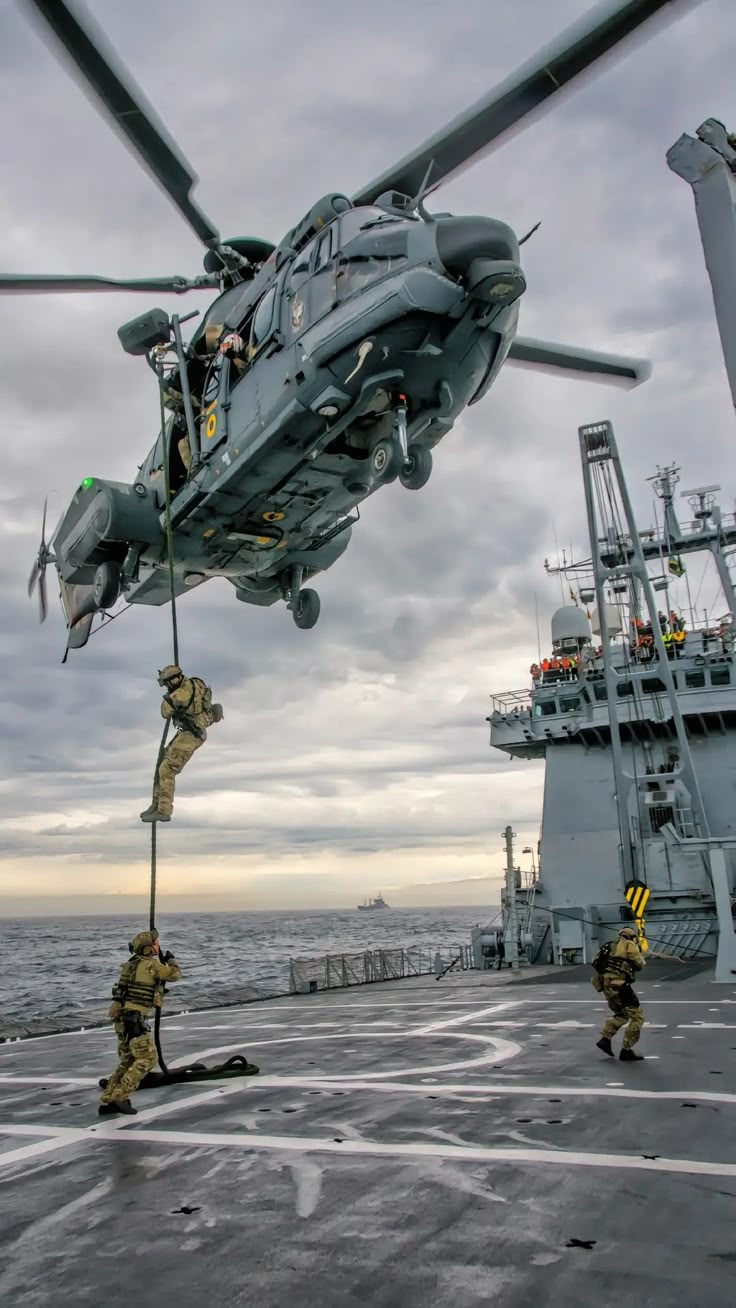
x=168, y=673
x=629, y=932
x=143, y=943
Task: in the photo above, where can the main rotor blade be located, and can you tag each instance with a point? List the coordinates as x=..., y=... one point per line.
x=35, y=574
x=43, y=523
x=588, y=365
x=43, y=602
x=127, y=107
x=485, y=123
x=43, y=284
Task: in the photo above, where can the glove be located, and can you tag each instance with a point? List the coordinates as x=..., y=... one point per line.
x=168, y=957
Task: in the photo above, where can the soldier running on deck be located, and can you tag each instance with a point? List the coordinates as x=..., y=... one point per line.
x=616, y=965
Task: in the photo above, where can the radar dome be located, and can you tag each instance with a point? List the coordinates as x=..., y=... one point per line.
x=570, y=623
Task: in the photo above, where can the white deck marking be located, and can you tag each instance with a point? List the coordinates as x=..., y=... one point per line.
x=39, y=1147
x=63, y=1138
x=433, y=1087
x=502, y=1049
x=10, y=1078
x=424, y=1149
x=706, y=1026
x=462, y=1018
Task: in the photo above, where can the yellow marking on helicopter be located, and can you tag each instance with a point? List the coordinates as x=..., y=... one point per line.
x=273, y=515
x=211, y=425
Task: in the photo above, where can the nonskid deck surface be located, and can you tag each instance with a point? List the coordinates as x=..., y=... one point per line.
x=427, y=1143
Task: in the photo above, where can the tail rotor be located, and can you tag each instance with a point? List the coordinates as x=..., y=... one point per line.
x=38, y=571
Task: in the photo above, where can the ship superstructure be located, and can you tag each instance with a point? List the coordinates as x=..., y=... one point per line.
x=634, y=711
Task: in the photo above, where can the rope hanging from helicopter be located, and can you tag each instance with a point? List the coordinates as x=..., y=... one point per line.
x=238, y=1064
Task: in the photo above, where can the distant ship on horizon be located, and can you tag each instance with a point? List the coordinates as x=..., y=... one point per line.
x=369, y=905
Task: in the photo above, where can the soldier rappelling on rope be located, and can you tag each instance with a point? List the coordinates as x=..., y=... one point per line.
x=187, y=702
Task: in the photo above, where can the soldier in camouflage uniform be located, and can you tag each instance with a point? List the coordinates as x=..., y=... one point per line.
x=624, y=961
x=188, y=701
x=138, y=990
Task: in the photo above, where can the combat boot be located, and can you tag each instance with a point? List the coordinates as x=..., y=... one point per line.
x=154, y=815
x=117, y=1106
x=125, y=1106
x=605, y=1044
x=628, y=1056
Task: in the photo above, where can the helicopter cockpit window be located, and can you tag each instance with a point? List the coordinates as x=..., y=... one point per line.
x=352, y=222
x=263, y=317
x=368, y=255
x=326, y=247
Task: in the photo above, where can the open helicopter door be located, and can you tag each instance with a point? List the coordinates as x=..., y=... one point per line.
x=213, y=420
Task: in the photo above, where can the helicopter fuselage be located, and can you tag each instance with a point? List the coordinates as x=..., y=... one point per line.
x=376, y=316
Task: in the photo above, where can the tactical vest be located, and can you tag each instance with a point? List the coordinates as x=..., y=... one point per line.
x=129, y=990
x=620, y=966
x=199, y=712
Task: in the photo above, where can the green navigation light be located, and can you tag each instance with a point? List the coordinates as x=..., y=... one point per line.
x=88, y=481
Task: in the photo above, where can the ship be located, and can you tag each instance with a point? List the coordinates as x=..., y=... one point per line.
x=369, y=905
x=633, y=710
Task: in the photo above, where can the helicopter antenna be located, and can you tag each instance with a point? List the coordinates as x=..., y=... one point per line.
x=531, y=232
x=418, y=203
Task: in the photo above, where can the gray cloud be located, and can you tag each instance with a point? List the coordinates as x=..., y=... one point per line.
x=360, y=746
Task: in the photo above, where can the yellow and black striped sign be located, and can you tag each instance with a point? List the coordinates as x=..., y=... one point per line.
x=637, y=895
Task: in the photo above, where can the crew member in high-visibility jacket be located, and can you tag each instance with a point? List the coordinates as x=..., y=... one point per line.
x=188, y=701
x=134, y=995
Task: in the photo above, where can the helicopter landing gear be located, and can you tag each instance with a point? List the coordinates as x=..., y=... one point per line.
x=307, y=608
x=386, y=461
x=304, y=604
x=417, y=468
x=394, y=457
x=106, y=585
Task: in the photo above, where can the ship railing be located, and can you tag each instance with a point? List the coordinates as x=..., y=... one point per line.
x=337, y=971
x=512, y=701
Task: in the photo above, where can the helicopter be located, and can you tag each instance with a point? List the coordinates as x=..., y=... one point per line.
x=326, y=367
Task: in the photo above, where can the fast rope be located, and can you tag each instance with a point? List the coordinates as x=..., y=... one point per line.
x=165, y=445
x=238, y=1065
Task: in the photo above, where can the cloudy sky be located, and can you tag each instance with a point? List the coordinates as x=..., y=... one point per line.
x=353, y=757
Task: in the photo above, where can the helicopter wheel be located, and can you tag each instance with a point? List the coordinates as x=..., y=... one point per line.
x=106, y=585
x=306, y=609
x=386, y=461
x=417, y=468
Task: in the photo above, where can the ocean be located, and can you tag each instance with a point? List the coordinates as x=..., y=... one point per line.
x=57, y=972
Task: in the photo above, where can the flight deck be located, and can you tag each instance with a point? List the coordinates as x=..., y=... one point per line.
x=420, y=1143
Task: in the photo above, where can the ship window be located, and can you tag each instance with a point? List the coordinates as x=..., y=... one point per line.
x=600, y=690
x=572, y=702
x=548, y=707
x=624, y=688
x=720, y=676
x=652, y=685
x=695, y=678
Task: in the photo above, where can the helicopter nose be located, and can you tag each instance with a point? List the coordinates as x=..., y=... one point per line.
x=484, y=253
